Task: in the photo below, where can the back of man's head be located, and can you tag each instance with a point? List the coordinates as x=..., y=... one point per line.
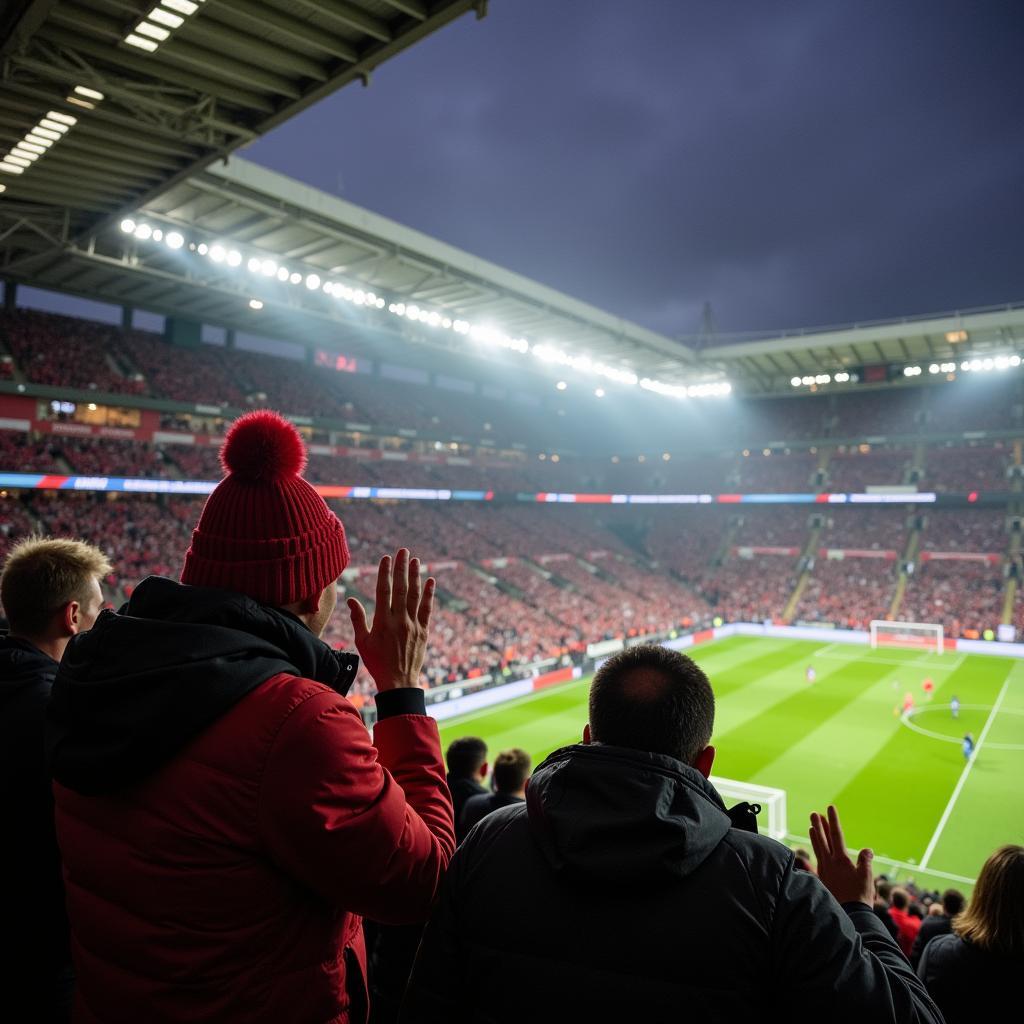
x=953, y=902
x=42, y=576
x=511, y=770
x=466, y=756
x=652, y=699
x=899, y=899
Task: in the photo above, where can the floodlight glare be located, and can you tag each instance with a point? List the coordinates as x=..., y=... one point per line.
x=295, y=277
x=217, y=253
x=158, y=235
x=313, y=282
x=143, y=231
x=162, y=17
x=91, y=94
x=268, y=268
x=282, y=273
x=175, y=240
x=202, y=248
x=561, y=385
x=255, y=304
x=58, y=115
x=599, y=392
x=253, y=265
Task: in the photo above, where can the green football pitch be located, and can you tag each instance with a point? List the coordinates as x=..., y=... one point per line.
x=901, y=783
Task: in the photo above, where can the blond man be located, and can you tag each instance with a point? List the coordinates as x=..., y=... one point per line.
x=50, y=590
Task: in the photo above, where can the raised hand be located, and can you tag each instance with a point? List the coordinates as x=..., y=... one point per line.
x=393, y=648
x=848, y=882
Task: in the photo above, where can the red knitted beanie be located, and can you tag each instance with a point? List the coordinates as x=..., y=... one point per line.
x=264, y=531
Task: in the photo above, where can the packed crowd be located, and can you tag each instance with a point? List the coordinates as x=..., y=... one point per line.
x=55, y=350
x=211, y=821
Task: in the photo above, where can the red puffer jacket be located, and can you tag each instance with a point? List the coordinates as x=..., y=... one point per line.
x=226, y=883
x=228, y=886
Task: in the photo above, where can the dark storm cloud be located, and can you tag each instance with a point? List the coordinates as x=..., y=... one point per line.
x=792, y=163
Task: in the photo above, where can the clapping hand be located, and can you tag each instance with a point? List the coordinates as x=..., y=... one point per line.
x=847, y=881
x=394, y=647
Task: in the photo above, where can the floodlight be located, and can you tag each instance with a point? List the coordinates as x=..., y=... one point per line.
x=63, y=118
x=561, y=385
x=218, y=253
x=255, y=304
x=92, y=94
x=282, y=273
x=140, y=42
x=162, y=17
x=174, y=240
x=158, y=235
x=147, y=28
x=143, y=231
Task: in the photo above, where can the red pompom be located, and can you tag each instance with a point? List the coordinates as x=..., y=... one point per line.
x=263, y=445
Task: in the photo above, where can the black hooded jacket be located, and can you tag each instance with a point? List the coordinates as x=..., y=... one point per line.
x=35, y=924
x=621, y=892
x=145, y=681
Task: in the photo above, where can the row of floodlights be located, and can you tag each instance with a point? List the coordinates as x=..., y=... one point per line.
x=224, y=254
x=976, y=365
x=817, y=379
x=161, y=22
x=46, y=132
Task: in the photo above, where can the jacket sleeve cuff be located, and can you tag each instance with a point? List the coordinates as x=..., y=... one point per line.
x=864, y=919
x=405, y=701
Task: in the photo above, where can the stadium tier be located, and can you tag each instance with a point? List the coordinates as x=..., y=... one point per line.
x=566, y=577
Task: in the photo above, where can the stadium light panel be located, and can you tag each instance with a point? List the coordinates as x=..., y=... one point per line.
x=46, y=134
x=56, y=115
x=268, y=268
x=253, y=265
x=54, y=126
x=599, y=392
x=24, y=154
x=11, y=158
x=78, y=102
x=186, y=7
x=89, y=94
x=175, y=240
x=158, y=235
x=9, y=168
x=3, y=188
x=166, y=18
x=282, y=273
x=143, y=231
x=794, y=382
x=202, y=248
x=234, y=258
x=312, y=282
x=140, y=43
x=157, y=32
x=31, y=147
x=128, y=225
x=35, y=137
x=561, y=385
x=255, y=304
x=218, y=253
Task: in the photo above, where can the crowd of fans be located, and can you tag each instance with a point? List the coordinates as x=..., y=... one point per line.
x=849, y=592
x=189, y=704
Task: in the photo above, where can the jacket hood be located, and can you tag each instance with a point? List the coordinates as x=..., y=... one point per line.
x=22, y=664
x=603, y=812
x=146, y=680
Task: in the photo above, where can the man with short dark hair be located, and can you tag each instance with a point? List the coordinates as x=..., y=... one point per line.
x=622, y=891
x=937, y=924
x=511, y=771
x=467, y=769
x=50, y=589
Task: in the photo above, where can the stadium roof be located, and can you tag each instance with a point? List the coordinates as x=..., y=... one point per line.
x=768, y=363
x=105, y=104
x=268, y=216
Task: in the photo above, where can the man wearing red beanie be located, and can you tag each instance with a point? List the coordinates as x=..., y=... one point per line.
x=223, y=815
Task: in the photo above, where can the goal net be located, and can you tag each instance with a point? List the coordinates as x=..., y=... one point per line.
x=772, y=817
x=907, y=634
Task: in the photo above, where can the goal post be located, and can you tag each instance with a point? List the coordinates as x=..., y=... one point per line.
x=772, y=802
x=929, y=635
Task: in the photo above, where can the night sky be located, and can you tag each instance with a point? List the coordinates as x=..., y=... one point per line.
x=793, y=163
